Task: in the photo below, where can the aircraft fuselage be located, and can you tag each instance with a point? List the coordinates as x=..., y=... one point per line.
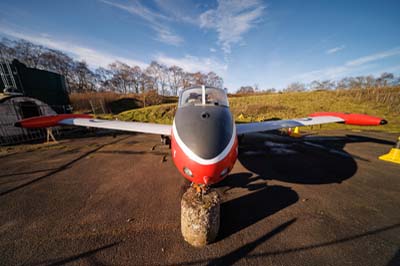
x=204, y=144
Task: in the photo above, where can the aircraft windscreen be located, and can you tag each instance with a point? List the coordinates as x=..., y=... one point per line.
x=213, y=96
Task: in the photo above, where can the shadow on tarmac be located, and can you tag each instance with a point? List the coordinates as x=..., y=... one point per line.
x=310, y=160
x=395, y=261
x=59, y=169
x=253, y=207
x=28, y=172
x=304, y=161
x=243, y=251
x=328, y=243
x=234, y=256
x=87, y=256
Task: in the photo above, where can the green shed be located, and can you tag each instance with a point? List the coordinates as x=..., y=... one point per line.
x=46, y=86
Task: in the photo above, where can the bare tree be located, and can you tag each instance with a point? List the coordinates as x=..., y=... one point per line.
x=175, y=78
x=197, y=78
x=245, y=90
x=118, y=76
x=84, y=79
x=315, y=85
x=122, y=80
x=136, y=75
x=328, y=84
x=159, y=74
x=103, y=78
x=7, y=50
x=295, y=86
x=213, y=80
x=343, y=83
x=370, y=81
x=385, y=79
x=28, y=52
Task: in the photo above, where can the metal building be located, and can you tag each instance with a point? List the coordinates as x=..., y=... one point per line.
x=14, y=108
x=46, y=86
x=27, y=92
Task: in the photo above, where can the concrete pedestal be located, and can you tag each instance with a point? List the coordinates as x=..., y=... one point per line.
x=200, y=217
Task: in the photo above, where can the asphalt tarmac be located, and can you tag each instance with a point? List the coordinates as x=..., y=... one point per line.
x=323, y=200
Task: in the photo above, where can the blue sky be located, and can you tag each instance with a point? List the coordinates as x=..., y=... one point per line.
x=268, y=43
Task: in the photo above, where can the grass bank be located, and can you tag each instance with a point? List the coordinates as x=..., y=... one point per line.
x=114, y=103
x=253, y=108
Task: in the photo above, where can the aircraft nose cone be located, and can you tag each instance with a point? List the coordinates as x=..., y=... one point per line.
x=383, y=122
x=206, y=131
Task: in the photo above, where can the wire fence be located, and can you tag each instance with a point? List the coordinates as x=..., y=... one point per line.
x=10, y=135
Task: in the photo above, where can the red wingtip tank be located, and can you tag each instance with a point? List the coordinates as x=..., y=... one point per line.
x=47, y=121
x=354, y=119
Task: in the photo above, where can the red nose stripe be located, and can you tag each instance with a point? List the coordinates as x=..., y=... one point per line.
x=203, y=174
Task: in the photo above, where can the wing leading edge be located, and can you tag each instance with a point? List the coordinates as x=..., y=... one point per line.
x=88, y=121
x=313, y=119
x=278, y=124
x=120, y=125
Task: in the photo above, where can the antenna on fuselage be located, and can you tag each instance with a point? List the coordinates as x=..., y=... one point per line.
x=203, y=94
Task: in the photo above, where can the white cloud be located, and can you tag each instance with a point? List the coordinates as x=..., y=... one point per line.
x=193, y=64
x=374, y=57
x=166, y=36
x=348, y=68
x=232, y=19
x=164, y=33
x=213, y=50
x=179, y=10
x=335, y=49
x=96, y=58
x=93, y=58
x=138, y=9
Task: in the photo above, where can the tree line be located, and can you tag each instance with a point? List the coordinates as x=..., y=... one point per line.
x=360, y=82
x=156, y=77
x=116, y=77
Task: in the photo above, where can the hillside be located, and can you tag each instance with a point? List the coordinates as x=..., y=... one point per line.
x=114, y=103
x=378, y=102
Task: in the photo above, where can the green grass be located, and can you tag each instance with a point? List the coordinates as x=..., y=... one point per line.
x=256, y=108
x=162, y=114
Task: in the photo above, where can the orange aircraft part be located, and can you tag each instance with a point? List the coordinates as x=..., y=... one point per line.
x=47, y=121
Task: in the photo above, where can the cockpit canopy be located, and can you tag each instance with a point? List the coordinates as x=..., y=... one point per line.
x=197, y=96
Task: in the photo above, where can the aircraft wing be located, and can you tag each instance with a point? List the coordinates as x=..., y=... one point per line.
x=120, y=125
x=278, y=124
x=313, y=119
x=88, y=121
